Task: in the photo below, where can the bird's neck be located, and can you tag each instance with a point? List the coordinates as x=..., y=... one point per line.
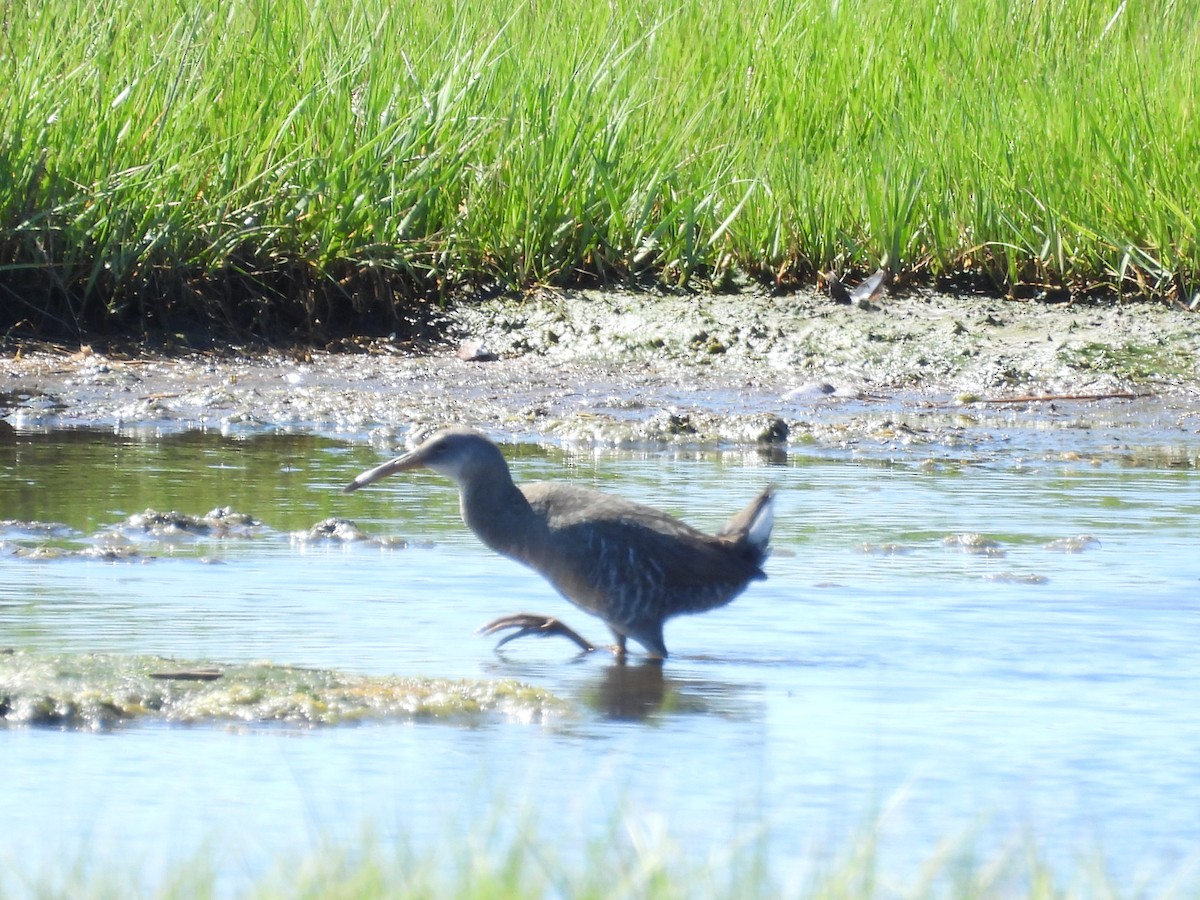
x=498, y=513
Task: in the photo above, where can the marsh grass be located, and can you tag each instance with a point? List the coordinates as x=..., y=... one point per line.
x=292, y=165
x=630, y=861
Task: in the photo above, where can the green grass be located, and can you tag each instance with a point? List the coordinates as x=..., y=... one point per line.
x=298, y=164
x=630, y=861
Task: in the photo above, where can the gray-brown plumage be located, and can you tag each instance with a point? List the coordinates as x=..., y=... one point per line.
x=629, y=564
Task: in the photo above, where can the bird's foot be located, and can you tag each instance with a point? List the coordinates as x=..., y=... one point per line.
x=540, y=626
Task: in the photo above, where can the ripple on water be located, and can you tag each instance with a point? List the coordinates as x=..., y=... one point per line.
x=1049, y=688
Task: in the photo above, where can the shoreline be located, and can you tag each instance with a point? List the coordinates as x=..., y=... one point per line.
x=623, y=370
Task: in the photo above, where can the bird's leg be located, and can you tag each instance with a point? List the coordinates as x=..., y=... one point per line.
x=529, y=623
x=619, y=648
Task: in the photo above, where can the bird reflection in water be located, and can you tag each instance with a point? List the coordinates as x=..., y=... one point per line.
x=629, y=692
x=647, y=691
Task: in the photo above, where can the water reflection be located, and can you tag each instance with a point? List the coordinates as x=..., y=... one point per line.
x=638, y=690
x=645, y=690
x=631, y=692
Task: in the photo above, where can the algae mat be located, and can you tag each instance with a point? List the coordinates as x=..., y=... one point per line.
x=97, y=691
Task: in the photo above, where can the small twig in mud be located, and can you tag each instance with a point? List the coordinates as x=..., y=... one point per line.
x=189, y=675
x=1049, y=398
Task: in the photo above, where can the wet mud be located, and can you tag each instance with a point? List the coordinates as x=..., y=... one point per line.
x=609, y=369
x=102, y=691
x=138, y=537
x=146, y=535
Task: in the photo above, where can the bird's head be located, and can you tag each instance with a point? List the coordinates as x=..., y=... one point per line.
x=458, y=453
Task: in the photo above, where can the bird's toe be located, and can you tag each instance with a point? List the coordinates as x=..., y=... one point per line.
x=533, y=624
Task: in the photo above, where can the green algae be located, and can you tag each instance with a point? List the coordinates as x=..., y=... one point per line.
x=99, y=691
x=1131, y=360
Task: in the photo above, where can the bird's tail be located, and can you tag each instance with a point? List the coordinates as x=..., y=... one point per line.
x=752, y=526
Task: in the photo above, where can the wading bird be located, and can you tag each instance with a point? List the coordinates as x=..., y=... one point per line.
x=629, y=564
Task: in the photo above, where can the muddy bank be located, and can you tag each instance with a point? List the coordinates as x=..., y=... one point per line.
x=614, y=369
x=95, y=690
x=144, y=536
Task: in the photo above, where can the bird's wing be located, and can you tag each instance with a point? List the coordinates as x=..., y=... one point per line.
x=599, y=533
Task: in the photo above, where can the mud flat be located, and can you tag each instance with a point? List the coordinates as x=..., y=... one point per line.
x=96, y=691
x=625, y=370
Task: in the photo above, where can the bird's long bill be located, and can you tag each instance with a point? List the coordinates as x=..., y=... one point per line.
x=411, y=460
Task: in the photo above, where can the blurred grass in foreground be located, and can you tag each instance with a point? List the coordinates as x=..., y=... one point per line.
x=633, y=860
x=288, y=165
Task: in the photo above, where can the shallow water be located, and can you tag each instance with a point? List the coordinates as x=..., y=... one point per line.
x=969, y=689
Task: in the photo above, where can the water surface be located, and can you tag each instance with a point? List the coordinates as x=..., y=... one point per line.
x=1039, y=679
